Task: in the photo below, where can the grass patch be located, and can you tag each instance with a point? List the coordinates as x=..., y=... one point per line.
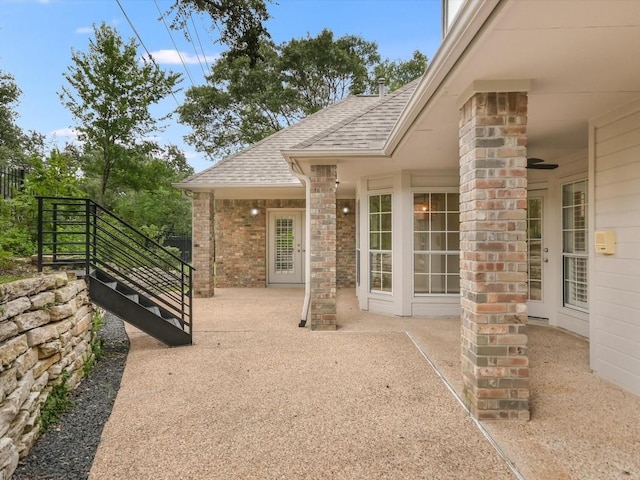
x=57, y=403
x=8, y=278
x=96, y=343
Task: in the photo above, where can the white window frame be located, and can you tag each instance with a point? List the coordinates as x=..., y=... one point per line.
x=575, y=255
x=381, y=251
x=446, y=252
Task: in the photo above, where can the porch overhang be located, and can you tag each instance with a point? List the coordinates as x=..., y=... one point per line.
x=579, y=63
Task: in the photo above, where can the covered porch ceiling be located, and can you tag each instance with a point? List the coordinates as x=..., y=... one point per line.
x=582, y=59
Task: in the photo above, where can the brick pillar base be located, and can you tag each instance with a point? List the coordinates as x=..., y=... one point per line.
x=493, y=257
x=203, y=244
x=323, y=247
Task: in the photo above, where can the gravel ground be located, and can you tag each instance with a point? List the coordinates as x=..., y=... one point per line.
x=67, y=450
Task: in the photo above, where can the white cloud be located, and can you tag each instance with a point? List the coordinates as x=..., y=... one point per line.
x=172, y=57
x=84, y=30
x=65, y=135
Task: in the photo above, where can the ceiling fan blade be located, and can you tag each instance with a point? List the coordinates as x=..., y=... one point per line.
x=543, y=166
x=538, y=164
x=531, y=161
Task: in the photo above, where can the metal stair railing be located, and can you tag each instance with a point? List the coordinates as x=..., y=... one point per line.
x=78, y=233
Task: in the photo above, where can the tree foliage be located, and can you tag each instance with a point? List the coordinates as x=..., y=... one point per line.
x=244, y=102
x=153, y=202
x=240, y=23
x=12, y=138
x=110, y=91
x=398, y=73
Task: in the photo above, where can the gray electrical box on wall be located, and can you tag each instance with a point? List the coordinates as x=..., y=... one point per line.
x=605, y=242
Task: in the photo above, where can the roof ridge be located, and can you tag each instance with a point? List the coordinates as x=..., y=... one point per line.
x=334, y=128
x=276, y=134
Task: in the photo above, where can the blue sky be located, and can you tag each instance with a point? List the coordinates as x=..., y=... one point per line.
x=37, y=36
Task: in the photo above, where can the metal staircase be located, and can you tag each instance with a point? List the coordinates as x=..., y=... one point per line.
x=129, y=274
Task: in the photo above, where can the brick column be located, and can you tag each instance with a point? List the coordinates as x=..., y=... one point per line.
x=493, y=256
x=323, y=247
x=203, y=244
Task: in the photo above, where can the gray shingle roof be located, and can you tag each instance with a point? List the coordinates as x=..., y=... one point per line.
x=262, y=164
x=368, y=130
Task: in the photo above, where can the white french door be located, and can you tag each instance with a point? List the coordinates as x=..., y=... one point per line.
x=538, y=254
x=286, y=246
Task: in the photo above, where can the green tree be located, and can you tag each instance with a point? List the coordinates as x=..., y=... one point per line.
x=110, y=91
x=398, y=73
x=240, y=23
x=152, y=203
x=244, y=102
x=12, y=138
x=56, y=176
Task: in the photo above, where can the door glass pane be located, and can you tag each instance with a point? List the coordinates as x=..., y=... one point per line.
x=534, y=243
x=284, y=245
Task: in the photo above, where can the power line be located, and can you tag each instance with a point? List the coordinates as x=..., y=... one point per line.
x=204, y=55
x=195, y=49
x=186, y=69
x=135, y=31
x=149, y=56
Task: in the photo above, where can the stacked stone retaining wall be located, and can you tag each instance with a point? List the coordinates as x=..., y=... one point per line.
x=45, y=334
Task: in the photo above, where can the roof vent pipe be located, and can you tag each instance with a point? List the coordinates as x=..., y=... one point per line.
x=381, y=87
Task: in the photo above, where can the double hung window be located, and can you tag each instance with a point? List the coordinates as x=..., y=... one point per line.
x=436, y=243
x=380, y=243
x=575, y=245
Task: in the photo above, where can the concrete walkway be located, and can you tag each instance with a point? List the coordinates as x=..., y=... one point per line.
x=258, y=397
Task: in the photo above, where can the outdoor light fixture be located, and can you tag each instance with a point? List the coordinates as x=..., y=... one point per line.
x=345, y=210
x=337, y=184
x=254, y=211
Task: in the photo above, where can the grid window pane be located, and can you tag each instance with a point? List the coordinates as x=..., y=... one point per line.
x=575, y=244
x=436, y=247
x=380, y=243
x=421, y=241
x=421, y=283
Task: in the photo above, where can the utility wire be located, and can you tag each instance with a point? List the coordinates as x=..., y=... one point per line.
x=135, y=31
x=204, y=55
x=149, y=56
x=186, y=69
x=195, y=49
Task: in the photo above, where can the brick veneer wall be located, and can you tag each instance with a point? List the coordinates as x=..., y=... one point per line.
x=45, y=330
x=241, y=241
x=493, y=255
x=203, y=244
x=346, y=245
x=323, y=247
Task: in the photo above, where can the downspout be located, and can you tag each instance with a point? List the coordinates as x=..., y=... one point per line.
x=307, y=245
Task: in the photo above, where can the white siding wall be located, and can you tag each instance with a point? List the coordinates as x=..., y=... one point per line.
x=615, y=279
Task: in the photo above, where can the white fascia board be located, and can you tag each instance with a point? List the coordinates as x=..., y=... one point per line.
x=469, y=21
x=311, y=156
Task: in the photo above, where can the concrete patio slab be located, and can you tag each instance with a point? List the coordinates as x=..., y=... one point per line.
x=258, y=397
